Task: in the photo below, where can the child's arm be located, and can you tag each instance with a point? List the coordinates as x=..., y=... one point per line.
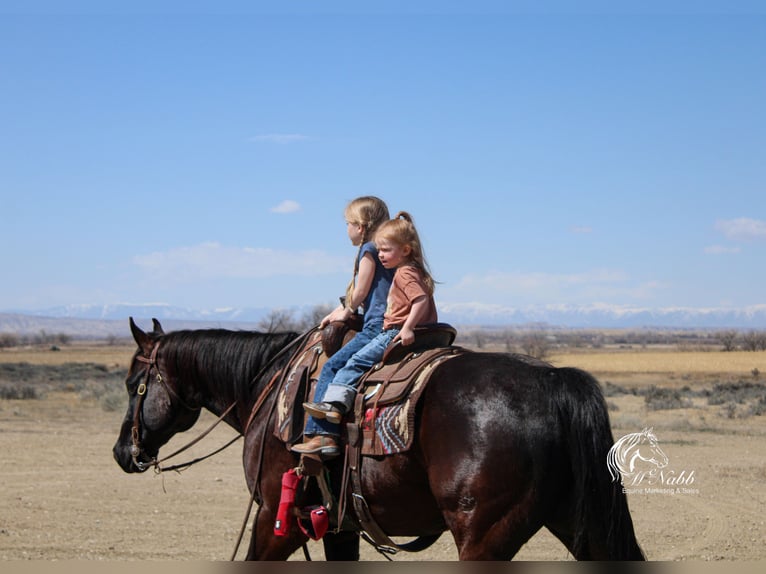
x=364, y=277
x=418, y=312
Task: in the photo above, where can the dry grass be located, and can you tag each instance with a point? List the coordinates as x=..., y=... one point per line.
x=621, y=361
x=636, y=361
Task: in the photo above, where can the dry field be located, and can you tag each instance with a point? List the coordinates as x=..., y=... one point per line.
x=64, y=498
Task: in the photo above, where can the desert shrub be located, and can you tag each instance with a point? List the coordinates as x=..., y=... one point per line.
x=658, y=398
x=27, y=372
x=758, y=407
x=729, y=410
x=736, y=392
x=29, y=381
x=612, y=390
x=114, y=400
x=19, y=392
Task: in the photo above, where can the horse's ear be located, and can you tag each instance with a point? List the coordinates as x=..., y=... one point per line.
x=143, y=340
x=156, y=327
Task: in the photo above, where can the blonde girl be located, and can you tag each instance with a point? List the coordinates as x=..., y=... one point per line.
x=367, y=291
x=410, y=303
x=363, y=217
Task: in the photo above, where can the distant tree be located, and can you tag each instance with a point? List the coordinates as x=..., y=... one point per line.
x=508, y=339
x=728, y=340
x=314, y=316
x=278, y=320
x=536, y=344
x=9, y=340
x=281, y=320
x=754, y=341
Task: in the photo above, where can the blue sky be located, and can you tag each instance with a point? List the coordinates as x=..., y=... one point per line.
x=201, y=154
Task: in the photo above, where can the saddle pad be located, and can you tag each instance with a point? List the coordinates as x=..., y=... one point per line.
x=390, y=428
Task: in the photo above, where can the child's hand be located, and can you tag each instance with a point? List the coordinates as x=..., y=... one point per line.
x=406, y=336
x=337, y=314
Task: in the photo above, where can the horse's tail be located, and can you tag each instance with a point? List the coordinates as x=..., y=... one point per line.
x=600, y=505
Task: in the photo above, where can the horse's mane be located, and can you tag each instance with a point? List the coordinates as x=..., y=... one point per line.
x=226, y=359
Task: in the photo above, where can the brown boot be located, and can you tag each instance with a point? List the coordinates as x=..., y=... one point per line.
x=324, y=445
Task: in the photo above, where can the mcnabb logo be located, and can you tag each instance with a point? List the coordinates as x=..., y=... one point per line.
x=640, y=465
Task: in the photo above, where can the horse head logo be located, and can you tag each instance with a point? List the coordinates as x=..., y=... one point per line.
x=633, y=453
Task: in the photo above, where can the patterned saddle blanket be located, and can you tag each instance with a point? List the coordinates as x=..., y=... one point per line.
x=388, y=393
x=385, y=406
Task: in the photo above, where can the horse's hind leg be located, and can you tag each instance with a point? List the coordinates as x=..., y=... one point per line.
x=491, y=531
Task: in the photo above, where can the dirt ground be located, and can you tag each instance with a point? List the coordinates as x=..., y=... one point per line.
x=64, y=498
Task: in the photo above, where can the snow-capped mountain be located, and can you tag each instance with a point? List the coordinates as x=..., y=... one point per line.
x=148, y=310
x=474, y=314
x=607, y=316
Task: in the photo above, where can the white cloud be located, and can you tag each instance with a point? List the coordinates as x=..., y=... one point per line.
x=742, y=228
x=281, y=139
x=720, y=250
x=287, y=206
x=215, y=261
x=581, y=229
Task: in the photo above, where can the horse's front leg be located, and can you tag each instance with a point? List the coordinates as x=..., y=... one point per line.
x=264, y=544
x=341, y=546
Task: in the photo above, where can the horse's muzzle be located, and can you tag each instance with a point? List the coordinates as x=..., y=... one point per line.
x=128, y=462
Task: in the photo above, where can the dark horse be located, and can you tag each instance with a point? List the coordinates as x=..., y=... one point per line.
x=503, y=447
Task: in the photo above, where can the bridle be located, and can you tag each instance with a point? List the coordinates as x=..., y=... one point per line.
x=151, y=362
x=135, y=449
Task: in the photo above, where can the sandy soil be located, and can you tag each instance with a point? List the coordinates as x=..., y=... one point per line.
x=64, y=498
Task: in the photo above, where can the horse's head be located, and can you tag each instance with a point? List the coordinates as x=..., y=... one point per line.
x=156, y=408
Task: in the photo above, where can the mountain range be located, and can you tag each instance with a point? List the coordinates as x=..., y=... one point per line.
x=106, y=320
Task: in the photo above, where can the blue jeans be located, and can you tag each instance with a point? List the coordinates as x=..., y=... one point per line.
x=342, y=386
x=332, y=366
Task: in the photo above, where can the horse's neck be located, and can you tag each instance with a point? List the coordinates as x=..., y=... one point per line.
x=223, y=382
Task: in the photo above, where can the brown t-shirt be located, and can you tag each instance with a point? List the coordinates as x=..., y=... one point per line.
x=407, y=286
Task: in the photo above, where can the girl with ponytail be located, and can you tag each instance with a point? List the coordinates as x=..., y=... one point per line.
x=410, y=303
